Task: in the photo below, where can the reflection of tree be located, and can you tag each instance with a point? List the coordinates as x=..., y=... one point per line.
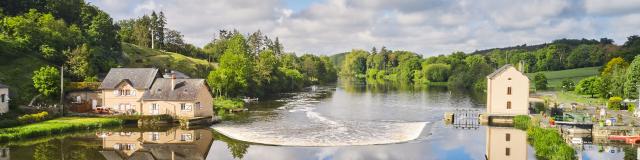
x=630, y=153
x=45, y=151
x=237, y=148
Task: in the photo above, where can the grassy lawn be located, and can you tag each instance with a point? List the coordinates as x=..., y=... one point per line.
x=55, y=126
x=570, y=97
x=145, y=57
x=555, y=78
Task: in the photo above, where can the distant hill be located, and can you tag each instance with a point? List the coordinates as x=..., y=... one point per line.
x=564, y=41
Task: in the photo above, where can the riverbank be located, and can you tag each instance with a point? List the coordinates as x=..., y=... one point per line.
x=547, y=142
x=55, y=126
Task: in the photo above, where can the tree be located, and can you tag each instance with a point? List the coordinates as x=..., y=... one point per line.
x=233, y=77
x=78, y=63
x=46, y=80
x=568, y=85
x=632, y=82
x=589, y=86
x=438, y=72
x=540, y=81
x=613, y=77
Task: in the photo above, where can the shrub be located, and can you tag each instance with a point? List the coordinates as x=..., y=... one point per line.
x=521, y=122
x=76, y=86
x=568, y=85
x=227, y=104
x=631, y=107
x=614, y=103
x=32, y=118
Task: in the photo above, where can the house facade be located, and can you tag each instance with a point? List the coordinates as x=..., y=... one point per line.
x=507, y=92
x=143, y=91
x=4, y=99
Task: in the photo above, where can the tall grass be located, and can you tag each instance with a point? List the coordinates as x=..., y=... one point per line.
x=55, y=126
x=547, y=142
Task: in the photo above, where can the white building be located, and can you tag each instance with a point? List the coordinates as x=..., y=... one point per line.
x=506, y=143
x=4, y=99
x=507, y=92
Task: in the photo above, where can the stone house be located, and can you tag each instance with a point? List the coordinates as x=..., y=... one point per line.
x=143, y=91
x=171, y=144
x=4, y=99
x=507, y=92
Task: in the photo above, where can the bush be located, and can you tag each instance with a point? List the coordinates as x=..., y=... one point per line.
x=227, y=104
x=32, y=118
x=631, y=107
x=568, y=85
x=540, y=81
x=521, y=122
x=77, y=86
x=614, y=103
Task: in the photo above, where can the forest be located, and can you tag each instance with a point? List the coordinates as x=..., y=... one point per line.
x=467, y=70
x=50, y=34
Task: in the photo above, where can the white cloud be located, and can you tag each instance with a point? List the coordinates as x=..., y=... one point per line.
x=428, y=27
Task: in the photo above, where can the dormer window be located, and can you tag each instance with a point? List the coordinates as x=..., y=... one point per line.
x=124, y=92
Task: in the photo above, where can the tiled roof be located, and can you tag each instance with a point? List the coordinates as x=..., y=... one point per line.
x=140, y=78
x=499, y=70
x=185, y=89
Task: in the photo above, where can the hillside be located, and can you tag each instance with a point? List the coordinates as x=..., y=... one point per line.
x=555, y=78
x=16, y=72
x=135, y=56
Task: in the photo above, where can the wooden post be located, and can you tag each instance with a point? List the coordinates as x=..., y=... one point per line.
x=62, y=90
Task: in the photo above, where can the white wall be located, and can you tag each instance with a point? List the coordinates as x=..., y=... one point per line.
x=497, y=97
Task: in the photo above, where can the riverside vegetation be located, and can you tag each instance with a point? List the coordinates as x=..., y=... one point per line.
x=547, y=142
x=55, y=126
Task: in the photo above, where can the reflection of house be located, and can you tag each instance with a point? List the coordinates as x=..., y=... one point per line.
x=172, y=144
x=507, y=92
x=4, y=154
x=4, y=99
x=506, y=143
x=143, y=91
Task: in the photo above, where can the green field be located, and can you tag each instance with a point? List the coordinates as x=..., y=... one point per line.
x=55, y=126
x=555, y=78
x=139, y=57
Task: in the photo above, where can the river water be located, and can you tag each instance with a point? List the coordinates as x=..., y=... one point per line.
x=349, y=120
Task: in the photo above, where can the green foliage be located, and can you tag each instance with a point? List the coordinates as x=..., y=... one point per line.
x=32, y=118
x=632, y=81
x=568, y=85
x=223, y=103
x=614, y=103
x=521, y=122
x=437, y=72
x=55, y=126
x=80, y=86
x=589, y=86
x=613, y=77
x=47, y=80
x=631, y=107
x=549, y=144
x=540, y=81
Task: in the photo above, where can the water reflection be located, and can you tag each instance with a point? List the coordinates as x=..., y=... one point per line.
x=506, y=143
x=170, y=144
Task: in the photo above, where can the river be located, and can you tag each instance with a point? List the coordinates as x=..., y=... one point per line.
x=350, y=120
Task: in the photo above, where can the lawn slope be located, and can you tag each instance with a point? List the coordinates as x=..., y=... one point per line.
x=138, y=57
x=555, y=78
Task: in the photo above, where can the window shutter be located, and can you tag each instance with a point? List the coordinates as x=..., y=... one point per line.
x=133, y=92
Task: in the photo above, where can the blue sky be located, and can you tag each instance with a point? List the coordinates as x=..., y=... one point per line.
x=428, y=27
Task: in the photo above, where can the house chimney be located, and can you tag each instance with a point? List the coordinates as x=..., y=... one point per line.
x=173, y=81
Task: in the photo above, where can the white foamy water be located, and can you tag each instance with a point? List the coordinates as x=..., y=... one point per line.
x=303, y=126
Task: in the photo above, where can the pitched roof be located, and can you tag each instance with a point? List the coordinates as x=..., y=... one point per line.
x=3, y=86
x=139, y=78
x=499, y=70
x=185, y=89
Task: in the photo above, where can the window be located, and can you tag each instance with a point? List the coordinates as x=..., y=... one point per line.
x=2, y=98
x=508, y=104
x=508, y=136
x=121, y=146
x=155, y=108
x=185, y=107
x=186, y=137
x=198, y=106
x=508, y=151
x=509, y=78
x=155, y=136
x=508, y=90
x=124, y=92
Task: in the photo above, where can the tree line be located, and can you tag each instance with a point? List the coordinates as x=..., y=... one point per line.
x=463, y=70
x=252, y=66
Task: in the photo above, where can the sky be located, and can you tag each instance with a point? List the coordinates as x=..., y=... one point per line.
x=427, y=27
